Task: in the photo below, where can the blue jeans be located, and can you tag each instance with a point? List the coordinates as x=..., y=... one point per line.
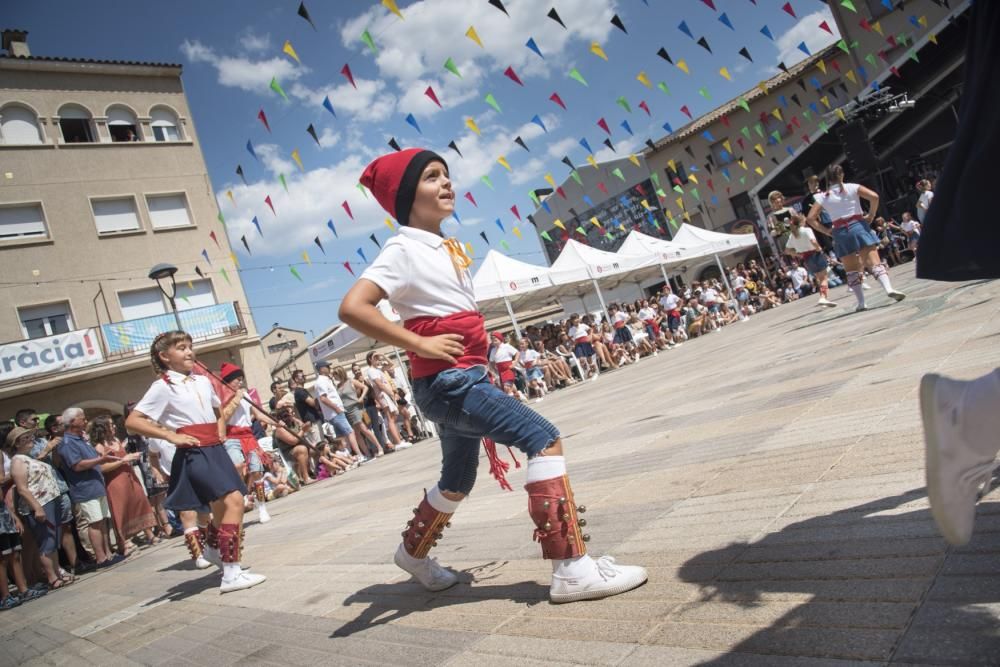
x=466, y=407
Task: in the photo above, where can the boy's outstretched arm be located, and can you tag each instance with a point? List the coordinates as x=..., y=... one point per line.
x=358, y=311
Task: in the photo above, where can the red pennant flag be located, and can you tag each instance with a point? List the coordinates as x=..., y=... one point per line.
x=558, y=100
x=795, y=121
x=710, y=186
x=214, y=238
x=603, y=124
x=430, y=93
x=347, y=265
x=892, y=41
x=865, y=25
x=468, y=195
x=835, y=65
x=725, y=120
x=739, y=140
x=263, y=119
x=347, y=207
x=825, y=26
x=510, y=74
x=687, y=112
x=603, y=188
x=645, y=107
x=642, y=192
x=513, y=209
x=267, y=200
x=561, y=192
x=710, y=4
x=788, y=8
x=895, y=72
x=346, y=71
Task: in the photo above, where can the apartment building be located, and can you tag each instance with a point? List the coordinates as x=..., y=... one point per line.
x=101, y=179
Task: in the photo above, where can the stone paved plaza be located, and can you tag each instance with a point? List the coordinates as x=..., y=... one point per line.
x=769, y=476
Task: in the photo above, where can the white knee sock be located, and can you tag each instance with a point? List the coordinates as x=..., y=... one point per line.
x=883, y=279
x=437, y=500
x=981, y=413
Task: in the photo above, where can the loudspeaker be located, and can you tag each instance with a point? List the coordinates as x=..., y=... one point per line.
x=858, y=148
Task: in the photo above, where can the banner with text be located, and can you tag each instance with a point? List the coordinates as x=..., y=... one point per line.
x=25, y=358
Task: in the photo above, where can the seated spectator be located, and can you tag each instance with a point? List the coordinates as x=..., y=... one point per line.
x=559, y=372
x=533, y=372
x=276, y=482
x=696, y=318
x=288, y=437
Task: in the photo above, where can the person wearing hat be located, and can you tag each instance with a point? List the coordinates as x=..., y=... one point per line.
x=241, y=445
x=426, y=279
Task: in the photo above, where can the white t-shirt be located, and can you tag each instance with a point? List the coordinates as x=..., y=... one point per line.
x=841, y=202
x=581, y=332
x=529, y=357
x=620, y=318
x=165, y=452
x=909, y=226
x=503, y=352
x=924, y=203
x=709, y=296
x=798, y=276
x=738, y=282
x=418, y=277
x=187, y=400
x=802, y=243
x=241, y=416
x=646, y=314
x=670, y=301
x=324, y=387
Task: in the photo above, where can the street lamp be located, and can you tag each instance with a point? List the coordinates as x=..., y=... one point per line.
x=162, y=272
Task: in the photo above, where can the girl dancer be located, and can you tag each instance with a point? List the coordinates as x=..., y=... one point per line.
x=426, y=279
x=802, y=243
x=201, y=473
x=853, y=240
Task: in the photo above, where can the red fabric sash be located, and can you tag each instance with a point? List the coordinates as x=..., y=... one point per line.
x=654, y=324
x=207, y=434
x=506, y=370
x=244, y=434
x=843, y=222
x=468, y=323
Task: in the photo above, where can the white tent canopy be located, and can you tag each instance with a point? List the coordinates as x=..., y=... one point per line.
x=500, y=280
x=714, y=243
x=579, y=263
x=667, y=253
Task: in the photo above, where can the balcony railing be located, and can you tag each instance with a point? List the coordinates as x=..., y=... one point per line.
x=124, y=339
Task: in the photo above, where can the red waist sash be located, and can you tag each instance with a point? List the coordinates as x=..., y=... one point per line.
x=654, y=324
x=843, y=222
x=619, y=324
x=207, y=434
x=467, y=323
x=248, y=442
x=506, y=370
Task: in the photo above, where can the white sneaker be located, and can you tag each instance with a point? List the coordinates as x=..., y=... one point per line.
x=823, y=301
x=202, y=563
x=860, y=309
x=956, y=468
x=895, y=295
x=403, y=445
x=263, y=516
x=425, y=570
x=242, y=581
x=606, y=579
x=865, y=286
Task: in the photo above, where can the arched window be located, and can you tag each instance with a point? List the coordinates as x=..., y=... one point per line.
x=122, y=124
x=19, y=125
x=164, y=124
x=76, y=124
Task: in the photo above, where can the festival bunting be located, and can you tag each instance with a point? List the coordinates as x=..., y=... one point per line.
x=276, y=87
x=267, y=200
x=554, y=15
x=555, y=98
x=534, y=47
x=304, y=13
x=329, y=223
x=346, y=71
x=329, y=106
x=319, y=244
x=290, y=51
x=512, y=75
x=474, y=36
x=347, y=209
x=312, y=133
x=256, y=223
x=366, y=37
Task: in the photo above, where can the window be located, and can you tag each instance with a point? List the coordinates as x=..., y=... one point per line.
x=194, y=294
x=115, y=215
x=21, y=221
x=47, y=320
x=680, y=174
x=721, y=156
x=18, y=125
x=122, y=125
x=168, y=211
x=140, y=303
x=164, y=124
x=76, y=125
x=743, y=207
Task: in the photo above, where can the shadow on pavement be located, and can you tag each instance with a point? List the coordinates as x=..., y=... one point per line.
x=883, y=586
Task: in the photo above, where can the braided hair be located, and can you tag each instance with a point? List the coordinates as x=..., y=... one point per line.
x=162, y=343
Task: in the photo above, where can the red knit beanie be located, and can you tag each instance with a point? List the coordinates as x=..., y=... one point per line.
x=230, y=372
x=393, y=179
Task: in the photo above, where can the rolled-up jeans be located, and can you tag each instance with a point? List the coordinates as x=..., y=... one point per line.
x=467, y=407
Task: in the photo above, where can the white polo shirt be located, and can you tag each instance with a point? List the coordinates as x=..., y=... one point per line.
x=186, y=400
x=503, y=352
x=926, y=197
x=324, y=387
x=241, y=416
x=418, y=277
x=840, y=201
x=579, y=333
x=165, y=452
x=646, y=314
x=803, y=242
x=529, y=357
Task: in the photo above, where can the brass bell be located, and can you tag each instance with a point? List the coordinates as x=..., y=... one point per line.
x=404, y=533
x=420, y=524
x=438, y=536
x=447, y=524
x=582, y=522
x=546, y=504
x=418, y=536
x=586, y=538
x=563, y=517
x=562, y=500
x=409, y=523
x=548, y=526
x=434, y=544
x=416, y=511
x=581, y=509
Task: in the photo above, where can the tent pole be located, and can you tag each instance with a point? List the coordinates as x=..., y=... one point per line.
x=409, y=390
x=666, y=278
x=600, y=297
x=722, y=270
x=510, y=311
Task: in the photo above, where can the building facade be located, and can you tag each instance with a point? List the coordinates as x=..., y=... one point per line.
x=103, y=178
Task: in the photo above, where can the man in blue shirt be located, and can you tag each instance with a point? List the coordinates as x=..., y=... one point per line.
x=81, y=467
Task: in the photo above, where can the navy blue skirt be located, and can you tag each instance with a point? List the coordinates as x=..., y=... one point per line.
x=623, y=335
x=200, y=475
x=852, y=238
x=583, y=350
x=816, y=262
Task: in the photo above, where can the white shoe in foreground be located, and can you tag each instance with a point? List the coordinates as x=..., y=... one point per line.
x=956, y=467
x=607, y=578
x=403, y=445
x=895, y=294
x=201, y=563
x=241, y=582
x=263, y=516
x=823, y=301
x=425, y=570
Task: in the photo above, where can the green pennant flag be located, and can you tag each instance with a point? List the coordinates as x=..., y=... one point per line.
x=225, y=275
x=759, y=129
x=777, y=136
x=505, y=246
x=743, y=103
x=222, y=219
x=672, y=223
x=694, y=193
x=534, y=198
x=653, y=176
x=276, y=87
x=870, y=59
x=576, y=76
x=656, y=223
x=581, y=230
x=623, y=103
x=823, y=126
x=492, y=101
x=807, y=114
x=295, y=273
x=284, y=184
x=912, y=53
x=703, y=91
x=849, y=5
x=745, y=132
x=364, y=190
x=842, y=45
x=545, y=235
x=678, y=189
x=366, y=37
x=662, y=86
x=618, y=172
x=743, y=180
x=486, y=179
x=576, y=177
x=187, y=301
x=660, y=193
x=450, y=66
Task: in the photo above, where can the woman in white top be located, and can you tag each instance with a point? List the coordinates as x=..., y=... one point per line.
x=802, y=245
x=926, y=197
x=579, y=333
x=911, y=228
x=853, y=239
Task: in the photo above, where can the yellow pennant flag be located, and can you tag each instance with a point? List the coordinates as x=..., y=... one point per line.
x=672, y=165
x=305, y=258
x=922, y=21
x=551, y=181
x=840, y=114
x=851, y=77
x=291, y=51
x=777, y=114
x=759, y=171
x=877, y=27
x=728, y=146
x=517, y=232
x=474, y=36
x=298, y=160
x=388, y=223
x=596, y=49
x=633, y=159
x=471, y=124
x=229, y=193
x=826, y=101
x=683, y=66
x=687, y=216
x=236, y=262
x=725, y=74
x=932, y=38
x=680, y=203
x=821, y=65
x=644, y=80
x=742, y=163
x=645, y=205
x=692, y=178
x=592, y=161
x=503, y=163
x=468, y=249
x=759, y=149
x=558, y=223
x=391, y=6
x=595, y=222
x=763, y=87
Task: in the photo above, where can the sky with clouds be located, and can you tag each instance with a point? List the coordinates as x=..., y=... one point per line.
x=231, y=51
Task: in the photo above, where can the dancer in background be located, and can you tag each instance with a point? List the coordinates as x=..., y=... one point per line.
x=803, y=245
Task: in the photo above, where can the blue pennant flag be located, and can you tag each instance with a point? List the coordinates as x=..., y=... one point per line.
x=329, y=106
x=726, y=22
x=708, y=136
x=362, y=253
x=413, y=121
x=329, y=223
x=457, y=219
x=586, y=146
x=804, y=49
x=590, y=202
x=545, y=205
x=500, y=225
x=667, y=128
x=767, y=33
x=534, y=47
x=538, y=121
x=628, y=128
x=252, y=152
x=256, y=223
x=683, y=27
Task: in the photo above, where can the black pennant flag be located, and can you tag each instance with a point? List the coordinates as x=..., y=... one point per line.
x=499, y=5
x=795, y=98
x=483, y=234
x=783, y=67
x=709, y=168
x=453, y=146
x=566, y=161
x=246, y=245
x=520, y=142
x=554, y=15
x=666, y=56
x=375, y=241
x=802, y=84
x=746, y=54
x=312, y=133
x=652, y=146
x=689, y=151
x=317, y=242
x=572, y=212
x=617, y=22
x=531, y=219
x=197, y=270
x=393, y=144
x=304, y=13
x=702, y=42
x=607, y=142
x=239, y=172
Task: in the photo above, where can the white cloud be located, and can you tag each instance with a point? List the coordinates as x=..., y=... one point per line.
x=806, y=30
x=254, y=43
x=328, y=138
x=243, y=73
x=623, y=148
x=562, y=147
x=272, y=159
x=370, y=99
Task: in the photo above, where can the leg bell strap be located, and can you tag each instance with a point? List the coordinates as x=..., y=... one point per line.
x=557, y=525
x=424, y=530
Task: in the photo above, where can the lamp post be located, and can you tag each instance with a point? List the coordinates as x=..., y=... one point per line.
x=160, y=273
